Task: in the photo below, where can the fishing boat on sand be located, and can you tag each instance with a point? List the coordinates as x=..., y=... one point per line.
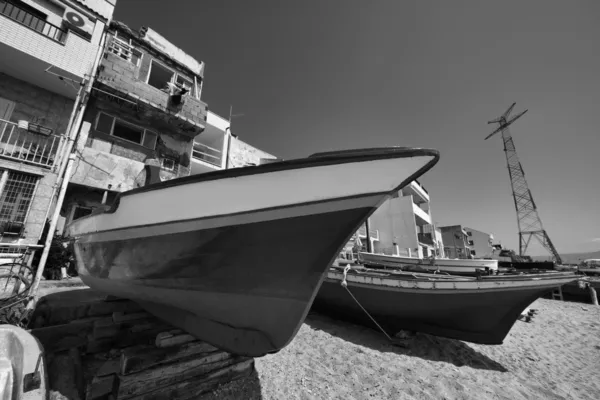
x=210, y=253
x=432, y=264
x=474, y=309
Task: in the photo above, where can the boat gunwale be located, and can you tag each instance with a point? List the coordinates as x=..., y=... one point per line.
x=421, y=277
x=314, y=160
x=465, y=286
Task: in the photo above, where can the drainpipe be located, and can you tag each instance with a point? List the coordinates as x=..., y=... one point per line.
x=53, y=222
x=76, y=119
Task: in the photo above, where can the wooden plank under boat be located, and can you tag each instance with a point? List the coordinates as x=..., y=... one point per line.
x=451, y=266
x=479, y=310
x=210, y=253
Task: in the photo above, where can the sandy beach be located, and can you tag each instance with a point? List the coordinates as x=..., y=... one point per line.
x=556, y=356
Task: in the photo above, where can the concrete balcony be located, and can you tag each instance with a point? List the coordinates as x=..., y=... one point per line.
x=122, y=77
x=39, y=52
x=421, y=217
x=28, y=144
x=415, y=189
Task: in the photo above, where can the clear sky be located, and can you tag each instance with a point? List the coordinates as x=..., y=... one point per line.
x=318, y=75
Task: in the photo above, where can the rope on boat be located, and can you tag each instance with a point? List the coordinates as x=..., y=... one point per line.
x=345, y=285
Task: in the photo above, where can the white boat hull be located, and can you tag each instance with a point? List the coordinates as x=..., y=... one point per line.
x=212, y=253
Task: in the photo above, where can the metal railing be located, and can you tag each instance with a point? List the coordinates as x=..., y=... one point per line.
x=207, y=154
x=14, y=12
x=120, y=48
x=25, y=146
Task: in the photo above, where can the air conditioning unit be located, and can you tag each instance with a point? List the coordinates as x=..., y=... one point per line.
x=76, y=21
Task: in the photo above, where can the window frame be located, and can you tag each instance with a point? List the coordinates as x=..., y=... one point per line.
x=112, y=129
x=193, y=89
x=16, y=203
x=162, y=164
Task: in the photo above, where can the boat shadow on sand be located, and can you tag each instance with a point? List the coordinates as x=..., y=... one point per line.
x=427, y=347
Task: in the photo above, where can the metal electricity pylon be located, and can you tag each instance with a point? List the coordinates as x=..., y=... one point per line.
x=528, y=219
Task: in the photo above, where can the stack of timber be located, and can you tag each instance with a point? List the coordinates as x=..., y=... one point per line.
x=118, y=351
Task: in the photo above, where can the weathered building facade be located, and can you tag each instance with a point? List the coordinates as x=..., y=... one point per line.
x=144, y=109
x=48, y=49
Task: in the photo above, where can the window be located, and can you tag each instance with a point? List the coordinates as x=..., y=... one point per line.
x=169, y=164
x=471, y=243
x=473, y=252
x=16, y=197
x=469, y=233
x=124, y=130
x=160, y=75
x=128, y=132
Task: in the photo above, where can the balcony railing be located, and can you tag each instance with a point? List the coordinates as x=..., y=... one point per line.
x=18, y=14
x=207, y=154
x=29, y=147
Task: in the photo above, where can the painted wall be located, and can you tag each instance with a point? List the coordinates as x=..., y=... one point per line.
x=395, y=221
x=35, y=104
x=76, y=55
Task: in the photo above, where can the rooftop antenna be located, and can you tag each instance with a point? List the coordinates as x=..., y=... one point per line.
x=232, y=115
x=528, y=219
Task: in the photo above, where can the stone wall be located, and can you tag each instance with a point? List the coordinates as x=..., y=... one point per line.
x=242, y=154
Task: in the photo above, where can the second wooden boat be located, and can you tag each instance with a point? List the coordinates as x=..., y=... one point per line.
x=479, y=310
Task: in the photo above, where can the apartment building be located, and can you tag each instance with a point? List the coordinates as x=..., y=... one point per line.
x=480, y=243
x=456, y=241
x=49, y=49
x=403, y=225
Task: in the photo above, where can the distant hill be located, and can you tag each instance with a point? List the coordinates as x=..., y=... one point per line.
x=572, y=258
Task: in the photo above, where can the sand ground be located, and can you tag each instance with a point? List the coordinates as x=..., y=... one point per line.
x=556, y=356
